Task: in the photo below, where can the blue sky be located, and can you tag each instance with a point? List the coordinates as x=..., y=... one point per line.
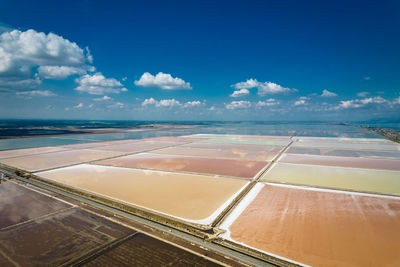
x=204, y=60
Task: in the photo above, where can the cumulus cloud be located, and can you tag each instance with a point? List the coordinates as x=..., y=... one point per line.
x=161, y=103
x=358, y=103
x=301, y=101
x=10, y=84
x=104, y=98
x=21, y=52
x=240, y=93
x=33, y=93
x=238, y=105
x=362, y=94
x=367, y=78
x=263, y=88
x=28, y=57
x=149, y=101
x=170, y=103
x=97, y=84
x=59, y=72
x=326, y=93
x=117, y=105
x=163, y=80
x=80, y=105
x=268, y=103
x=191, y=104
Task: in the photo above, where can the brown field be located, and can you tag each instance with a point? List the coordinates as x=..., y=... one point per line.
x=322, y=228
x=229, y=167
x=192, y=197
x=19, y=204
x=383, y=164
x=143, y=250
x=57, y=239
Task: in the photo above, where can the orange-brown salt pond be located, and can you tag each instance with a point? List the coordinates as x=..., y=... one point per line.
x=321, y=228
x=196, y=198
x=228, y=167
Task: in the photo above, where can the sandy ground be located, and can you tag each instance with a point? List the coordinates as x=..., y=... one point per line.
x=322, y=228
x=57, y=159
x=193, y=197
x=229, y=167
x=367, y=180
x=369, y=163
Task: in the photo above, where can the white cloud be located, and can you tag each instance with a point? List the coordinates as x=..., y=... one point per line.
x=117, y=105
x=267, y=103
x=149, y=101
x=326, y=93
x=238, y=105
x=21, y=51
x=250, y=83
x=362, y=94
x=367, y=78
x=44, y=93
x=263, y=88
x=16, y=83
x=240, y=93
x=80, y=105
x=191, y=104
x=59, y=72
x=27, y=57
x=124, y=79
x=162, y=80
x=89, y=56
x=302, y=101
x=97, y=84
x=212, y=108
x=396, y=100
x=358, y=103
x=377, y=100
x=168, y=103
x=161, y=103
x=104, y=98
